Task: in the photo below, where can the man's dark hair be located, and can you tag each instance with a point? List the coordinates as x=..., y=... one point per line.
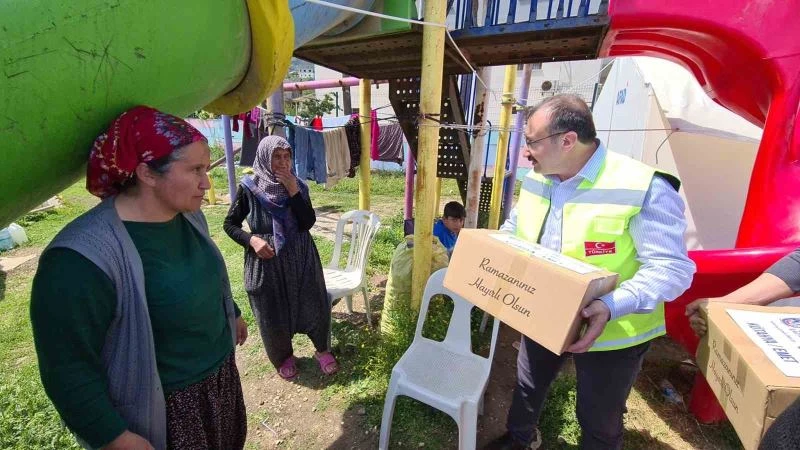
x=455, y=210
x=567, y=112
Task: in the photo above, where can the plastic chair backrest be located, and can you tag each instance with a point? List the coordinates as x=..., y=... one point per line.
x=459, y=332
x=364, y=227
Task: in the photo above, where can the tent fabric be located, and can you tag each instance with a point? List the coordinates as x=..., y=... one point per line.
x=656, y=112
x=686, y=104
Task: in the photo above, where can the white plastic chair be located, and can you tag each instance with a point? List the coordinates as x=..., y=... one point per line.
x=345, y=281
x=446, y=375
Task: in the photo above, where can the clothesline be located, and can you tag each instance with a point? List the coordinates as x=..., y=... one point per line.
x=364, y=120
x=367, y=121
x=463, y=127
x=270, y=112
x=467, y=128
x=328, y=155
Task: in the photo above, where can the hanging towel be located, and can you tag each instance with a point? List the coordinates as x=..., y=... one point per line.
x=390, y=143
x=290, y=137
x=255, y=115
x=337, y=153
x=249, y=145
x=253, y=133
x=353, y=130
x=373, y=148
x=245, y=118
x=235, y=123
x=310, y=160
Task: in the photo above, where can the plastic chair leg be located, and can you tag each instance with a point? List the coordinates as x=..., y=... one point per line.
x=366, y=306
x=484, y=321
x=468, y=427
x=348, y=302
x=331, y=302
x=330, y=334
x=388, y=413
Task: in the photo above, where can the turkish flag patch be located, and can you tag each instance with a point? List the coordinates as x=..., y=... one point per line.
x=600, y=248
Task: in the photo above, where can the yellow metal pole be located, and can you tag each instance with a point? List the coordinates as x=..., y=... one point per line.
x=507, y=101
x=212, y=194
x=365, y=96
x=438, y=198
x=428, y=146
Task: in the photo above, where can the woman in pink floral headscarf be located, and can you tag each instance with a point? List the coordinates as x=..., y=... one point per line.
x=133, y=318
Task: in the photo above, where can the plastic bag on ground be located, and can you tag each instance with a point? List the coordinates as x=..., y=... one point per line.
x=397, y=302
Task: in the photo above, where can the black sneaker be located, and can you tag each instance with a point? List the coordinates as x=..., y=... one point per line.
x=507, y=442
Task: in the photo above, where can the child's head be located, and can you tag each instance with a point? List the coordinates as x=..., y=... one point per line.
x=453, y=217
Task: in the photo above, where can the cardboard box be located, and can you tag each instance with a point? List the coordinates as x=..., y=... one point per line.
x=745, y=356
x=536, y=291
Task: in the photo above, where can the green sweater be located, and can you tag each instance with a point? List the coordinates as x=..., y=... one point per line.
x=191, y=333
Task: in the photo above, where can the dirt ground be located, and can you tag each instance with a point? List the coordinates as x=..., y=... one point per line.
x=302, y=415
x=296, y=415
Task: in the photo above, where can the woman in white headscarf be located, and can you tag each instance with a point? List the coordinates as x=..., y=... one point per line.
x=282, y=270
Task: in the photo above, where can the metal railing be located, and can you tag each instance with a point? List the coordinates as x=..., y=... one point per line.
x=506, y=12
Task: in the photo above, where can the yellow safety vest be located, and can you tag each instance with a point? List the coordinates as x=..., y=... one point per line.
x=595, y=229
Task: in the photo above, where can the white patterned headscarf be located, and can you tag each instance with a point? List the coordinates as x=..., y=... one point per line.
x=262, y=166
x=271, y=193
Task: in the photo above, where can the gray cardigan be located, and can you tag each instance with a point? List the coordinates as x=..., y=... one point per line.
x=129, y=353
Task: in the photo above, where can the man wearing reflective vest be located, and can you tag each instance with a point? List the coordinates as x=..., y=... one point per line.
x=614, y=212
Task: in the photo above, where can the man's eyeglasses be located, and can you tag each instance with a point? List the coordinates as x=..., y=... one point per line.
x=531, y=142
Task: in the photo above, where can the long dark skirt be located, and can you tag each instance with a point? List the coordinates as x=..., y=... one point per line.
x=209, y=414
x=288, y=296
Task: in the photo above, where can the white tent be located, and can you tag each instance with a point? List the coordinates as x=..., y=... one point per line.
x=655, y=111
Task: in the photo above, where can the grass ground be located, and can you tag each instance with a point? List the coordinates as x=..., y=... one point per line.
x=315, y=412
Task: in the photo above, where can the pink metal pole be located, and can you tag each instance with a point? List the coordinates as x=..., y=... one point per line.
x=410, y=168
x=516, y=141
x=323, y=84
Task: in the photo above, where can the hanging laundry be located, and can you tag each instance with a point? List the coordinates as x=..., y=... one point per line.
x=390, y=143
x=337, y=154
x=255, y=115
x=290, y=137
x=254, y=131
x=310, y=161
x=375, y=132
x=316, y=123
x=353, y=130
x=245, y=118
x=249, y=147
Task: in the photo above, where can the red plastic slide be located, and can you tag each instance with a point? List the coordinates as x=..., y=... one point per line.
x=746, y=53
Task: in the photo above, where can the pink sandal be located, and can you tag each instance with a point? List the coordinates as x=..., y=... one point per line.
x=288, y=370
x=327, y=363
